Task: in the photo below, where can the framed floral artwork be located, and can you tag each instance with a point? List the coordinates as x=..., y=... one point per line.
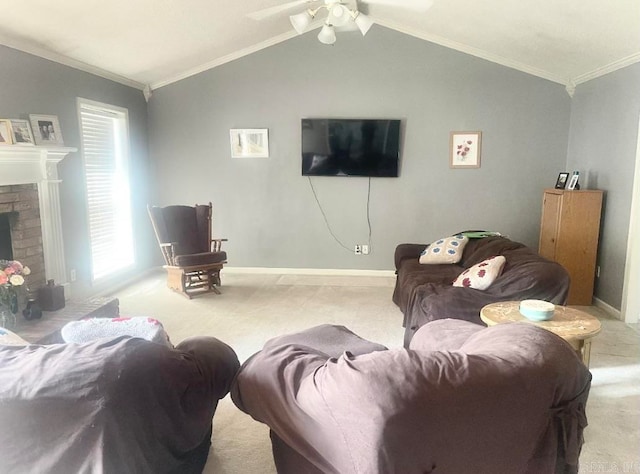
x=464, y=150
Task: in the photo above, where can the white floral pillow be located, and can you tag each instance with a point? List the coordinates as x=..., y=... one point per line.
x=447, y=250
x=482, y=274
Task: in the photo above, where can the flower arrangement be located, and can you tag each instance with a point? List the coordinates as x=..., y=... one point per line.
x=12, y=275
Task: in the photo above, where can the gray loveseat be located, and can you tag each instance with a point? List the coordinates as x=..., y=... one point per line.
x=425, y=292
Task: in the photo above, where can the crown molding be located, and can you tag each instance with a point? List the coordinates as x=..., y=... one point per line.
x=225, y=59
x=479, y=53
x=611, y=67
x=67, y=61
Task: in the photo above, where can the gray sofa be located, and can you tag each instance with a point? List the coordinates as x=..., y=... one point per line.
x=122, y=405
x=425, y=292
x=463, y=399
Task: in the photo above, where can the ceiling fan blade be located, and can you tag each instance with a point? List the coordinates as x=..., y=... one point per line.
x=267, y=12
x=415, y=5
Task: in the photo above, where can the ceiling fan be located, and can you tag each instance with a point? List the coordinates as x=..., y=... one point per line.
x=340, y=14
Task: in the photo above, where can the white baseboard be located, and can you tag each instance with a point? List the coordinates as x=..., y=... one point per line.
x=311, y=271
x=607, y=308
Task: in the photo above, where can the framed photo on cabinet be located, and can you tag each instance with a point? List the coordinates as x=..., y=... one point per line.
x=464, y=149
x=573, y=184
x=561, y=182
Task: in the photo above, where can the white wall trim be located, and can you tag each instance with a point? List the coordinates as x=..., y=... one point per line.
x=309, y=271
x=607, y=308
x=39, y=165
x=611, y=67
x=67, y=61
x=225, y=59
x=630, y=298
x=479, y=53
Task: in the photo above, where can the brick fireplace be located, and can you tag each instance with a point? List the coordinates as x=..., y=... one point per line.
x=20, y=209
x=30, y=203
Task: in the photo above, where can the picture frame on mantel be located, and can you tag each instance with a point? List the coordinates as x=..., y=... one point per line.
x=21, y=132
x=46, y=130
x=465, y=149
x=249, y=142
x=5, y=132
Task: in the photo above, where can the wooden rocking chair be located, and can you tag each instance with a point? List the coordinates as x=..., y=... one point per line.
x=193, y=259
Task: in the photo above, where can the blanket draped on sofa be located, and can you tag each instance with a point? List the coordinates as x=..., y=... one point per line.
x=425, y=292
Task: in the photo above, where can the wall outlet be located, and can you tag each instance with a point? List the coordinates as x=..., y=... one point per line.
x=72, y=274
x=358, y=250
x=365, y=249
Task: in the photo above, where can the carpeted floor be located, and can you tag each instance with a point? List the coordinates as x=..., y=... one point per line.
x=255, y=307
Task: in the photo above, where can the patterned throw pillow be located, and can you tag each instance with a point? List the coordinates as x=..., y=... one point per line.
x=447, y=250
x=482, y=274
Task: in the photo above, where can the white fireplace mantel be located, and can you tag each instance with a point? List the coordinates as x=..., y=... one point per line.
x=38, y=164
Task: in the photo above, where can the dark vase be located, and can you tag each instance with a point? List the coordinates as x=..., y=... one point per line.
x=32, y=310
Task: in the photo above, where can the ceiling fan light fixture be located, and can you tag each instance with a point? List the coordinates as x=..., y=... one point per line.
x=327, y=35
x=363, y=22
x=338, y=14
x=301, y=21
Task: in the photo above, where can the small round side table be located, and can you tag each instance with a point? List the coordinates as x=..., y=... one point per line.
x=574, y=326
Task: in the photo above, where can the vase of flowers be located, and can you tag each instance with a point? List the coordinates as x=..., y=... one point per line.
x=12, y=275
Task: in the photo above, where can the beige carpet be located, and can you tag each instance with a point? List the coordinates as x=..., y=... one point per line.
x=253, y=308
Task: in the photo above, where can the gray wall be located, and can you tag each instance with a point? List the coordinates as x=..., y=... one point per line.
x=602, y=146
x=266, y=208
x=29, y=84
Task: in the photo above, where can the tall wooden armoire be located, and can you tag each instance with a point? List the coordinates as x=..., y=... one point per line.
x=569, y=232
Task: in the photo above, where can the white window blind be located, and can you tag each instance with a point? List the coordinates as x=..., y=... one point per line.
x=105, y=150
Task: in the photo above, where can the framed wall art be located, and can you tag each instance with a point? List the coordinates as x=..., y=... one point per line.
x=464, y=150
x=21, y=132
x=46, y=130
x=249, y=142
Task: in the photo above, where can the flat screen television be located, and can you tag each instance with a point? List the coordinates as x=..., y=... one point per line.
x=350, y=147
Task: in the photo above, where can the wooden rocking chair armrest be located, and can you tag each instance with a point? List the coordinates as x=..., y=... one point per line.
x=216, y=244
x=169, y=251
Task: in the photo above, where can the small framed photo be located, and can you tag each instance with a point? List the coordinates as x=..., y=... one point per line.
x=249, y=142
x=46, y=130
x=561, y=182
x=5, y=132
x=464, y=150
x=21, y=132
x=573, y=184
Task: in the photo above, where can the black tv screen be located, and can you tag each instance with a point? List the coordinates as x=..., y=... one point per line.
x=350, y=147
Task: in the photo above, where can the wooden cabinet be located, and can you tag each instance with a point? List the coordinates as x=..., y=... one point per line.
x=569, y=232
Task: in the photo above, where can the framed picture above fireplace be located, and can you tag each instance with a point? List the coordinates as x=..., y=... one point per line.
x=46, y=130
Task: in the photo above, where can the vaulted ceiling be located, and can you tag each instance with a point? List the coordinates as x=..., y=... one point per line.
x=156, y=42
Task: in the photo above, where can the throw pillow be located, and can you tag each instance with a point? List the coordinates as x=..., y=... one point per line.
x=447, y=250
x=482, y=274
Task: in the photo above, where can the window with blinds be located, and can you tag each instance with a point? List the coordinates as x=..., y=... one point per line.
x=105, y=145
